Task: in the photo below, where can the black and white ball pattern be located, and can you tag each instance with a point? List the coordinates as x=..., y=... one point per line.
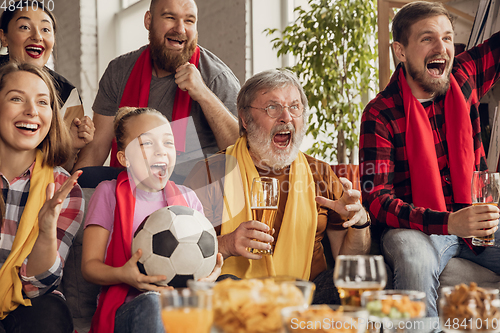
x=178, y=242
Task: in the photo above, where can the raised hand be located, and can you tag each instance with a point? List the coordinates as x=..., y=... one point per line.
x=49, y=213
x=44, y=251
x=188, y=78
x=82, y=132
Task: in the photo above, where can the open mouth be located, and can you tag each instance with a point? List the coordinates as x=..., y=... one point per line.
x=35, y=51
x=436, y=67
x=176, y=41
x=282, y=139
x=159, y=169
x=27, y=127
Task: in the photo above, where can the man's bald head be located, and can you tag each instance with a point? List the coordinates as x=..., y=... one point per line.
x=155, y=2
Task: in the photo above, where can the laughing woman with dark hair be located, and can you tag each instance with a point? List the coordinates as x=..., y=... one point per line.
x=27, y=30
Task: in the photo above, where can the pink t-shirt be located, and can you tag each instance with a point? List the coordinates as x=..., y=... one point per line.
x=101, y=208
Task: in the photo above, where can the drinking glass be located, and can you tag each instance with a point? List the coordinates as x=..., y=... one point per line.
x=186, y=311
x=356, y=274
x=485, y=191
x=264, y=198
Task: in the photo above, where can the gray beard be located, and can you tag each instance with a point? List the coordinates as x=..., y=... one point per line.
x=262, y=147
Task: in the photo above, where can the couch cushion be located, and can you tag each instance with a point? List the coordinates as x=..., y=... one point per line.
x=461, y=270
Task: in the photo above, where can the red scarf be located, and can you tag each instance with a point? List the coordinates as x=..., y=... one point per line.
x=120, y=248
x=426, y=187
x=136, y=93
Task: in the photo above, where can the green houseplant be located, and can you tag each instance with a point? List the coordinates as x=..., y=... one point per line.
x=333, y=42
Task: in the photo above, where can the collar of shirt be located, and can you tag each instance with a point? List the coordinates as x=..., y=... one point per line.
x=25, y=175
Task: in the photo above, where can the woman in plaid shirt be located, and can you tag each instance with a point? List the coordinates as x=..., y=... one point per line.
x=41, y=204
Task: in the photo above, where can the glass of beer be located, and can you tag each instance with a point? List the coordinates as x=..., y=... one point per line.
x=485, y=191
x=264, y=198
x=186, y=311
x=356, y=274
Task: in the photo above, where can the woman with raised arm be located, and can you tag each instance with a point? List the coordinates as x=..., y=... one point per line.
x=41, y=204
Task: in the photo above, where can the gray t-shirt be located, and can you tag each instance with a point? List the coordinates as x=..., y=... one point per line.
x=200, y=140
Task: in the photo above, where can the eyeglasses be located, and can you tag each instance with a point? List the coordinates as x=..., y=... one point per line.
x=275, y=110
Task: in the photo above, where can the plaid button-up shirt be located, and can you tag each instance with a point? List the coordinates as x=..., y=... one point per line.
x=385, y=176
x=15, y=196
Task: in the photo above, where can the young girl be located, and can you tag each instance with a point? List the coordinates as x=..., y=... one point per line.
x=41, y=205
x=146, y=148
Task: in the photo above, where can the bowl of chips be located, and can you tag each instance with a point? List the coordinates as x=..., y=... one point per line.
x=322, y=318
x=254, y=305
x=469, y=308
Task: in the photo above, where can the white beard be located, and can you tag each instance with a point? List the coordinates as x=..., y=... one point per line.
x=262, y=147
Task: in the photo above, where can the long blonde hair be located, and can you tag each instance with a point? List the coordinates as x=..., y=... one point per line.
x=56, y=145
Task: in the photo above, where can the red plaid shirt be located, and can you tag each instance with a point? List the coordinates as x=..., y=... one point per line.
x=383, y=159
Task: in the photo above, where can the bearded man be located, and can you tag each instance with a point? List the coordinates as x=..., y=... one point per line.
x=313, y=201
x=419, y=146
x=190, y=85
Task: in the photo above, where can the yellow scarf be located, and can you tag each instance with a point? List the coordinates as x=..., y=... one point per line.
x=295, y=244
x=27, y=232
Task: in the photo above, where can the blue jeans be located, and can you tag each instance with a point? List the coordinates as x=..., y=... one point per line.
x=142, y=314
x=417, y=260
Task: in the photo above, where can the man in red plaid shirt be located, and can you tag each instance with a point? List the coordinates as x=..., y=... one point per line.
x=420, y=143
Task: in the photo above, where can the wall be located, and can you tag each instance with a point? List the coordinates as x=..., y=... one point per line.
x=106, y=35
x=221, y=29
x=462, y=26
x=68, y=42
x=129, y=26
x=88, y=56
x=76, y=46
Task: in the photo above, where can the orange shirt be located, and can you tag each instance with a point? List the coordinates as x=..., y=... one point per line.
x=207, y=180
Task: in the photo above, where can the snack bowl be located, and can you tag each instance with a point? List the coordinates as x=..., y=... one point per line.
x=254, y=305
x=394, y=310
x=321, y=318
x=464, y=309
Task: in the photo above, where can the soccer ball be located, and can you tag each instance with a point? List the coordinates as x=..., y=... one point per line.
x=178, y=242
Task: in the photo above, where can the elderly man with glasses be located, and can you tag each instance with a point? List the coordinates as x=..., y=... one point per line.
x=313, y=201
